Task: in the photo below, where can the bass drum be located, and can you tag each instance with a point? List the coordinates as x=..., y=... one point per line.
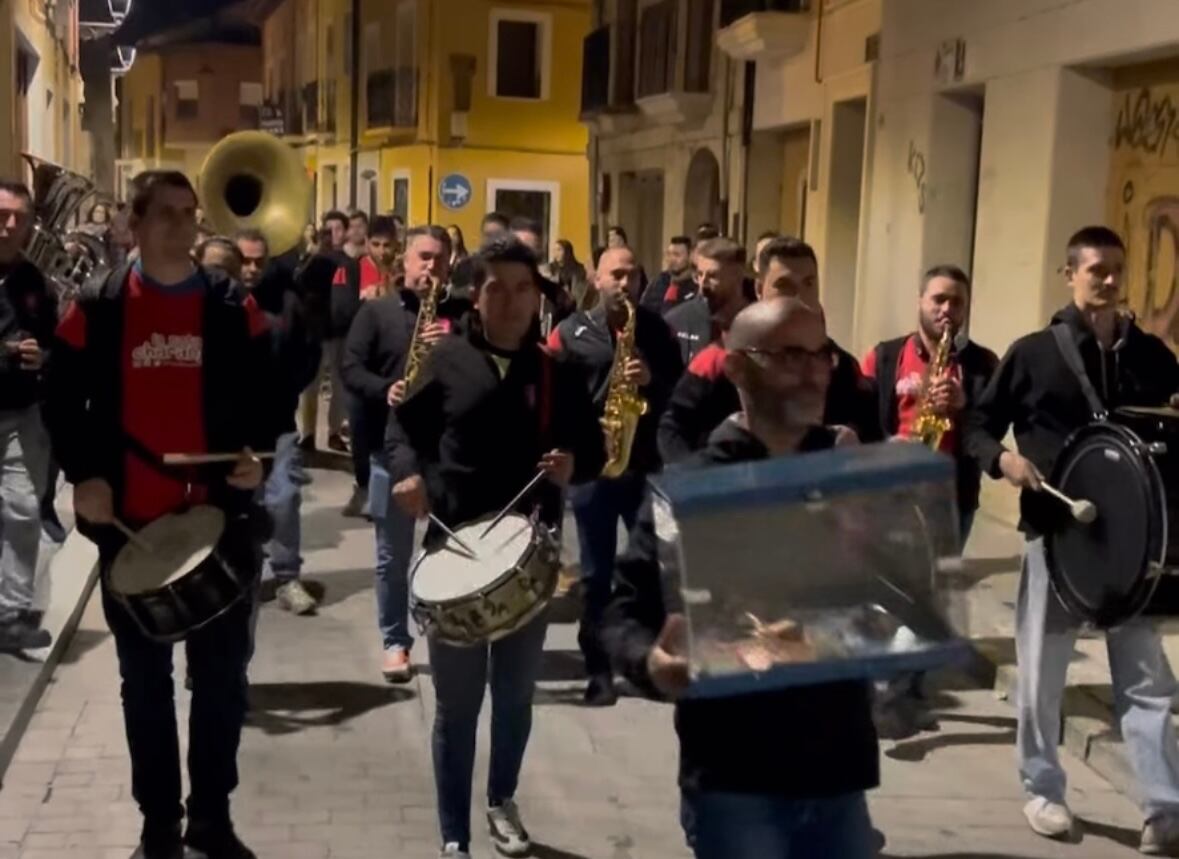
x=1109, y=571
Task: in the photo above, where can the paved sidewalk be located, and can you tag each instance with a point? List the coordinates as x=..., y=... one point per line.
x=336, y=764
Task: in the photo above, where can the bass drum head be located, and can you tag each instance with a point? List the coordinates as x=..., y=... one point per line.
x=1103, y=571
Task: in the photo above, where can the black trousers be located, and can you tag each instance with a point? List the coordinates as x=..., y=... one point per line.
x=217, y=657
x=360, y=442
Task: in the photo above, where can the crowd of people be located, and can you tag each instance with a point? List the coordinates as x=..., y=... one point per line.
x=200, y=342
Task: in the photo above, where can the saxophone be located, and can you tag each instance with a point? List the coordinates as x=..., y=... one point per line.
x=419, y=348
x=624, y=404
x=929, y=427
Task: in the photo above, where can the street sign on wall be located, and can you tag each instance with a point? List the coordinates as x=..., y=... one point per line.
x=454, y=191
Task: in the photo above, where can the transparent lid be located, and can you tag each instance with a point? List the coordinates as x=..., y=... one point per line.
x=815, y=567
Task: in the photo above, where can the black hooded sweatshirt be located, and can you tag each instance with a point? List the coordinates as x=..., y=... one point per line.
x=1035, y=392
x=804, y=743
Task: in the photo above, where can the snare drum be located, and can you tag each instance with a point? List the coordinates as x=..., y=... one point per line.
x=187, y=579
x=1109, y=571
x=464, y=600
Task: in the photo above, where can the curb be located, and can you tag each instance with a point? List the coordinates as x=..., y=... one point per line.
x=62, y=620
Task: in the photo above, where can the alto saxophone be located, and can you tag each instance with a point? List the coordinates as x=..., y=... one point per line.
x=624, y=404
x=929, y=426
x=418, y=347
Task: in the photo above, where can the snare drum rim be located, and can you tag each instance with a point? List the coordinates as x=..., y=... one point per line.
x=534, y=543
x=1139, y=597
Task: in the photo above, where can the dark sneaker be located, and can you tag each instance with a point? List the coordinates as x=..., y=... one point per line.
x=336, y=442
x=21, y=634
x=165, y=844
x=354, y=509
x=215, y=842
x=600, y=691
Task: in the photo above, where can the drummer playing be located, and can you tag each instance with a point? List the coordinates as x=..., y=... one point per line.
x=775, y=773
x=166, y=357
x=489, y=411
x=1034, y=391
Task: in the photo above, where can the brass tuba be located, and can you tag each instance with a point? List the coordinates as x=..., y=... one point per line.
x=252, y=180
x=66, y=258
x=624, y=404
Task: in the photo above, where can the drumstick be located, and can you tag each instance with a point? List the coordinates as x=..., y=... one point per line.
x=132, y=537
x=1083, y=511
x=208, y=458
x=508, y=507
x=453, y=536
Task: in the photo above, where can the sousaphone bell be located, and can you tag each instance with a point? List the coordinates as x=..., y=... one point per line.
x=252, y=180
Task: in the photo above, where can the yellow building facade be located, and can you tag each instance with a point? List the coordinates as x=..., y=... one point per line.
x=464, y=106
x=40, y=85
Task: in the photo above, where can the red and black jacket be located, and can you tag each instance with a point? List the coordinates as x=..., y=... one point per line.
x=84, y=406
x=704, y=397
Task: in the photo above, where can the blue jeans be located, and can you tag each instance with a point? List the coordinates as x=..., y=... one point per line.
x=762, y=826
x=512, y=665
x=394, y=531
x=1143, y=688
x=283, y=498
x=597, y=508
x=24, y=449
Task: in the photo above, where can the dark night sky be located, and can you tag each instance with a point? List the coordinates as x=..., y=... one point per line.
x=148, y=17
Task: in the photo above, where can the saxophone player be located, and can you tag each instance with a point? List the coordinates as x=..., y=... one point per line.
x=594, y=342
x=900, y=368
x=375, y=353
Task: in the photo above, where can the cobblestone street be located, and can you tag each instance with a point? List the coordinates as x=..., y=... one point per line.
x=336, y=764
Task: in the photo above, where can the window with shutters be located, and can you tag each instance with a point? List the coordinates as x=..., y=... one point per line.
x=519, y=54
x=657, y=48
x=188, y=99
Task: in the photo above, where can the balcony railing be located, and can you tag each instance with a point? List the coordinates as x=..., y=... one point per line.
x=734, y=10
x=657, y=48
x=595, y=71
x=292, y=112
x=393, y=98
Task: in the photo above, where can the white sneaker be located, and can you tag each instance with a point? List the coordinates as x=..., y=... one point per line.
x=452, y=851
x=1047, y=818
x=507, y=831
x=1160, y=836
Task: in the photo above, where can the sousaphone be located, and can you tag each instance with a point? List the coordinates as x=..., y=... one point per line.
x=252, y=180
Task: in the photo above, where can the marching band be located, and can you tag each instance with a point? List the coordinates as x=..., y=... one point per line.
x=477, y=394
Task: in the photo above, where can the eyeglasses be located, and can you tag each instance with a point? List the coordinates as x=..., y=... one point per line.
x=796, y=358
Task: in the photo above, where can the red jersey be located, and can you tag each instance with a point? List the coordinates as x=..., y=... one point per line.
x=911, y=367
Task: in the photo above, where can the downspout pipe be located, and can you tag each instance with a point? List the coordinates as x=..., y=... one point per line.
x=354, y=125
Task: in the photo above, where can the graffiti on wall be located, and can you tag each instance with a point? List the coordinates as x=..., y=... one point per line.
x=1147, y=122
x=1143, y=199
x=917, y=171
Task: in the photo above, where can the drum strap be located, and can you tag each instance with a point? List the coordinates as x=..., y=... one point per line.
x=545, y=401
x=1072, y=357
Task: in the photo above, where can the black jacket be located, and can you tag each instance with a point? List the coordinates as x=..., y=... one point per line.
x=476, y=438
x=692, y=324
x=656, y=296
x=977, y=363
x=1035, y=393
x=28, y=308
x=704, y=397
x=585, y=342
x=295, y=351
x=83, y=408
x=374, y=358
x=809, y=742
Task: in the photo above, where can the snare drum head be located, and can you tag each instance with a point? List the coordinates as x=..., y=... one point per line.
x=180, y=542
x=1102, y=571
x=449, y=573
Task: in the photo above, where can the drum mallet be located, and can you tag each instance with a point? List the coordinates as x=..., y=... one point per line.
x=1083, y=511
x=132, y=537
